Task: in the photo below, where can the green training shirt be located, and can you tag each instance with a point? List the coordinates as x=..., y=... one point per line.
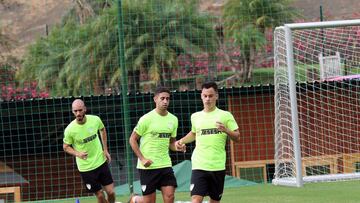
x=209, y=153
x=155, y=132
x=85, y=138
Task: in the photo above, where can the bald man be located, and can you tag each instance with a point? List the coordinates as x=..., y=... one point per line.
x=92, y=157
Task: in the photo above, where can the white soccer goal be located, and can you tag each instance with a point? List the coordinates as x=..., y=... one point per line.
x=317, y=121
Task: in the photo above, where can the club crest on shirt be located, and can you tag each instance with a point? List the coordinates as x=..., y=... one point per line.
x=90, y=130
x=143, y=188
x=170, y=125
x=88, y=186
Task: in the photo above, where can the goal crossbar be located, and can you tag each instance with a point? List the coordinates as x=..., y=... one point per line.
x=325, y=24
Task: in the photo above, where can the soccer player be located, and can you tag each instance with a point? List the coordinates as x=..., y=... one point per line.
x=92, y=157
x=157, y=131
x=210, y=129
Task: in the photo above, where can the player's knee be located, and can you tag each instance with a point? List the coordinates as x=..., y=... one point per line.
x=111, y=194
x=100, y=195
x=169, y=196
x=196, y=199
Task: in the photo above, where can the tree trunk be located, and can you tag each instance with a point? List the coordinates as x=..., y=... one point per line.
x=212, y=72
x=165, y=76
x=251, y=64
x=245, y=67
x=133, y=80
x=98, y=87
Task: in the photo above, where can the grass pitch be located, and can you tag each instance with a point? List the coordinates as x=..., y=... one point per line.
x=329, y=192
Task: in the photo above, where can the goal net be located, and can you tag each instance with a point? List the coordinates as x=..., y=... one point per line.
x=317, y=106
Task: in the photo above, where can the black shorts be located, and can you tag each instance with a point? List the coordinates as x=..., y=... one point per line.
x=207, y=183
x=95, y=179
x=152, y=179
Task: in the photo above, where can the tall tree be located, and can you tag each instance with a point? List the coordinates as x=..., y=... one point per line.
x=158, y=31
x=245, y=23
x=81, y=59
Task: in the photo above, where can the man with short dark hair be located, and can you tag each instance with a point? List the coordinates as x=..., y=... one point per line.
x=210, y=128
x=92, y=157
x=157, y=133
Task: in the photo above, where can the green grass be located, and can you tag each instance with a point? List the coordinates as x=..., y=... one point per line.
x=261, y=76
x=266, y=75
x=330, y=192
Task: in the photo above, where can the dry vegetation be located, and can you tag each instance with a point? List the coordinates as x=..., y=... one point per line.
x=25, y=20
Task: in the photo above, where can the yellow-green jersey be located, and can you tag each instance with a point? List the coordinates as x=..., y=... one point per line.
x=209, y=153
x=155, y=132
x=85, y=138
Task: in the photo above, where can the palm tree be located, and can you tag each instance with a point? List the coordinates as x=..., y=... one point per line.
x=245, y=22
x=95, y=58
x=46, y=58
x=158, y=31
x=71, y=60
x=81, y=59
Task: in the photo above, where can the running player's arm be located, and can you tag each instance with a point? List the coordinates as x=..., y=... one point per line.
x=68, y=145
x=103, y=135
x=135, y=147
x=174, y=146
x=234, y=135
x=190, y=137
x=70, y=150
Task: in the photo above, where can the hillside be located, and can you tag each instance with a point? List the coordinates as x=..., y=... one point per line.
x=26, y=20
x=332, y=9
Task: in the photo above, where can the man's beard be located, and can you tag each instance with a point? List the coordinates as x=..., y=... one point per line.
x=80, y=118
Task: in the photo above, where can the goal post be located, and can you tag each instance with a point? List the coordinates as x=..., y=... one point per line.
x=317, y=133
